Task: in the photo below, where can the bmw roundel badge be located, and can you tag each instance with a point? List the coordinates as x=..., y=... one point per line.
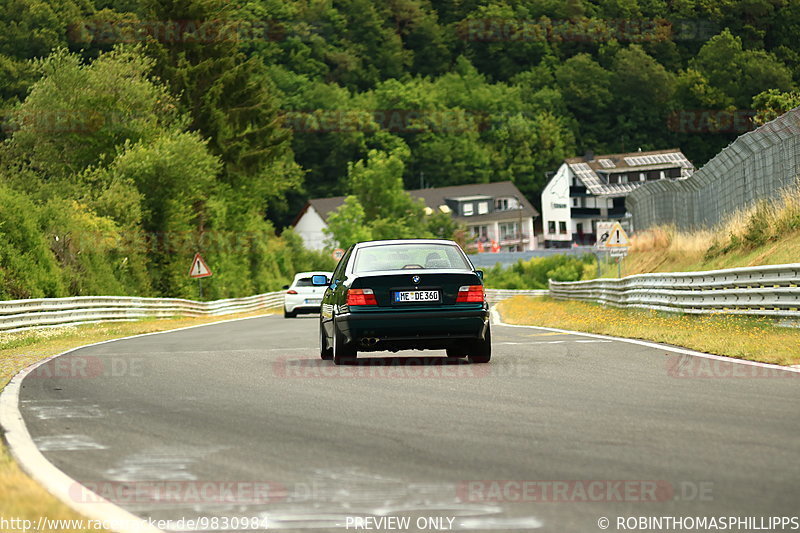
x=415, y=279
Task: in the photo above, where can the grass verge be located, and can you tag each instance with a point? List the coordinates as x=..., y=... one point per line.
x=23, y=498
x=754, y=339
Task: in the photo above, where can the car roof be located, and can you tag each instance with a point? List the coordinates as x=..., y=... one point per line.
x=309, y=274
x=367, y=244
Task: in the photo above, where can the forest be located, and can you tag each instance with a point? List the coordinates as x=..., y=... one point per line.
x=136, y=133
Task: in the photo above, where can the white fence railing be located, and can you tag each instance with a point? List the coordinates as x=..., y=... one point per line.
x=766, y=290
x=16, y=315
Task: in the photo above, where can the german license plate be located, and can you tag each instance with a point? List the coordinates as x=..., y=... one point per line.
x=313, y=300
x=416, y=296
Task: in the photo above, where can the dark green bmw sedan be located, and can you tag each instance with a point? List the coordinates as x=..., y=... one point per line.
x=413, y=294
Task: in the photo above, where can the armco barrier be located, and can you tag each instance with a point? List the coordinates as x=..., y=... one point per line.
x=766, y=290
x=498, y=295
x=16, y=315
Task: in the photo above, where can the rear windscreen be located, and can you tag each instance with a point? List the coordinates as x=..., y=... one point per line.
x=409, y=256
x=303, y=282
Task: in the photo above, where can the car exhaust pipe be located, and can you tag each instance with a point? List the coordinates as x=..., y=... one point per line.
x=369, y=341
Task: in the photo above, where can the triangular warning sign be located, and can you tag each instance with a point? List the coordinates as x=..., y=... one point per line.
x=199, y=268
x=617, y=237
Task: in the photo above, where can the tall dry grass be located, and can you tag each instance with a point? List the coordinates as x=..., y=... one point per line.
x=749, y=228
x=765, y=221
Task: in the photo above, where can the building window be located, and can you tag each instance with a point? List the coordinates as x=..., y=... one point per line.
x=562, y=228
x=574, y=202
x=480, y=233
x=483, y=208
x=466, y=210
x=551, y=226
x=501, y=204
x=508, y=230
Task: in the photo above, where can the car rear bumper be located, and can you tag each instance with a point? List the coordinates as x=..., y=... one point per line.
x=299, y=305
x=302, y=309
x=421, y=329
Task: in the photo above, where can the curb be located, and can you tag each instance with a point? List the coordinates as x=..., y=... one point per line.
x=56, y=482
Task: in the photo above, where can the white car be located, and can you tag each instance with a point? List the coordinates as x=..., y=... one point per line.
x=302, y=296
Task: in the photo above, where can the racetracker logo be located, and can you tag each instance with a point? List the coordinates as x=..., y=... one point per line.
x=56, y=121
x=711, y=121
x=581, y=490
x=394, y=120
x=178, y=492
x=173, y=31
x=89, y=367
x=634, y=30
x=687, y=366
x=382, y=367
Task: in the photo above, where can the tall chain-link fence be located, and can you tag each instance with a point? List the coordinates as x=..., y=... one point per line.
x=755, y=166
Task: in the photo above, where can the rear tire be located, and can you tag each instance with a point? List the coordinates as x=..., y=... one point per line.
x=289, y=314
x=342, y=352
x=324, y=352
x=481, y=352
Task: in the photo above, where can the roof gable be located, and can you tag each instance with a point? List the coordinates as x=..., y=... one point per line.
x=591, y=169
x=434, y=197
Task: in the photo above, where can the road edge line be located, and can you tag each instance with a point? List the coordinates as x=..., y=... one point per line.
x=497, y=319
x=55, y=481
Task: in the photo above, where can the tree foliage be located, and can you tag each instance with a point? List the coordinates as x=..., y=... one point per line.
x=162, y=127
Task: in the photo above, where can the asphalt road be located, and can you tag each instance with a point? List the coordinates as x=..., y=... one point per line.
x=555, y=433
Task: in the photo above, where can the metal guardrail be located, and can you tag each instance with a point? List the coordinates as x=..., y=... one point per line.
x=766, y=290
x=17, y=315
x=498, y=295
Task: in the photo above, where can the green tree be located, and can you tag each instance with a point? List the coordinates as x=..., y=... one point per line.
x=347, y=225
x=79, y=115
x=773, y=103
x=229, y=98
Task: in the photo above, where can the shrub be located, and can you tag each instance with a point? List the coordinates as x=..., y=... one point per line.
x=534, y=273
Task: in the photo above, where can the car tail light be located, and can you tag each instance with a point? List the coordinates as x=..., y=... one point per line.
x=470, y=293
x=361, y=297
x=291, y=291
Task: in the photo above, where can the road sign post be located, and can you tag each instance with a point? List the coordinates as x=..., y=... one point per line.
x=611, y=238
x=199, y=270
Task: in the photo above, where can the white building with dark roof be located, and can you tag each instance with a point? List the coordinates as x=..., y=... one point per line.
x=495, y=214
x=590, y=189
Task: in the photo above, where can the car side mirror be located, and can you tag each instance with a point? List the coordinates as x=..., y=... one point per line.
x=285, y=287
x=319, y=280
x=479, y=273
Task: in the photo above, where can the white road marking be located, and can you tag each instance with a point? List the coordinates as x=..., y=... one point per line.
x=67, y=443
x=498, y=321
x=47, y=412
x=511, y=343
